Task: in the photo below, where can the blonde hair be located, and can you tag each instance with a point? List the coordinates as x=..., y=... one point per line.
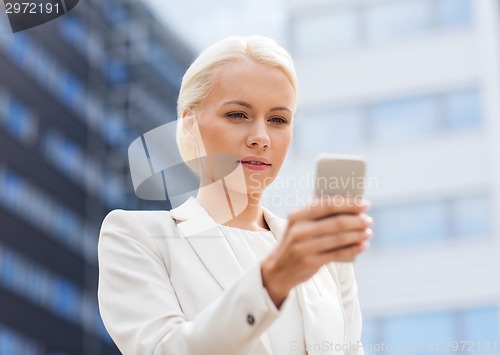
x=199, y=78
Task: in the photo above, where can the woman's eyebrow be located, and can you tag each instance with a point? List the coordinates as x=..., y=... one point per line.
x=237, y=102
x=280, y=108
x=246, y=104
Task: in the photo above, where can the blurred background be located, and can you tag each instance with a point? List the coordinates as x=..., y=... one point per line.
x=412, y=85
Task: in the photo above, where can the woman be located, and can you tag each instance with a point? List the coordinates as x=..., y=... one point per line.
x=220, y=274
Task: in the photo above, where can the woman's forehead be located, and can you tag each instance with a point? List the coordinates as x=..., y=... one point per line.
x=246, y=79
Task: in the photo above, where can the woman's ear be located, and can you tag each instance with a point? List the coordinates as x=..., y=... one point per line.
x=189, y=125
x=191, y=131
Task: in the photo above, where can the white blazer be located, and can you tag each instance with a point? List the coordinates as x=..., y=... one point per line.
x=170, y=284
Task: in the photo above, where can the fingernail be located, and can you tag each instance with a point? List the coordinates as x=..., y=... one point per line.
x=369, y=233
x=365, y=204
x=369, y=220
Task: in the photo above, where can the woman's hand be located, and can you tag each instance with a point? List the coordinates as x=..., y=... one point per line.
x=329, y=229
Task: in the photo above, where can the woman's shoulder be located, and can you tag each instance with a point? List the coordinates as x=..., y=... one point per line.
x=124, y=215
x=133, y=220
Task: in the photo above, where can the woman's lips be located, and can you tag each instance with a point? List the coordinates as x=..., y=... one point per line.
x=254, y=165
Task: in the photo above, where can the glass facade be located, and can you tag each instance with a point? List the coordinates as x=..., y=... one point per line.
x=433, y=221
x=67, y=87
x=472, y=330
x=17, y=119
x=39, y=285
x=326, y=29
x=12, y=342
x=74, y=93
x=389, y=122
x=34, y=205
x=460, y=323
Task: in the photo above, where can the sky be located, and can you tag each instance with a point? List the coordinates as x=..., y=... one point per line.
x=201, y=23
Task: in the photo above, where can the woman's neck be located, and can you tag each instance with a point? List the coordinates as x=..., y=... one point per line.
x=232, y=208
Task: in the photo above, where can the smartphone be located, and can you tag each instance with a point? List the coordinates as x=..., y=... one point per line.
x=340, y=175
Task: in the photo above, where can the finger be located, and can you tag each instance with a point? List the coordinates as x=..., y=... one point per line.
x=347, y=254
x=328, y=205
x=328, y=243
x=331, y=225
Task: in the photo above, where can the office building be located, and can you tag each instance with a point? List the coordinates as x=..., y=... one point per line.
x=414, y=87
x=74, y=93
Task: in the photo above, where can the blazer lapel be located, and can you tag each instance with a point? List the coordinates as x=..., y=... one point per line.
x=205, y=237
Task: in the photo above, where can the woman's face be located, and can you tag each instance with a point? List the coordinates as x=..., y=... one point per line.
x=248, y=115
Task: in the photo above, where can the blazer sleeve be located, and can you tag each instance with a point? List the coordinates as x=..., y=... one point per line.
x=350, y=303
x=139, y=307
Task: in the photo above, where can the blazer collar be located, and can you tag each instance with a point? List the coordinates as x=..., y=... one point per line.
x=194, y=219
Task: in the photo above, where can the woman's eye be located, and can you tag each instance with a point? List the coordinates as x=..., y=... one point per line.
x=278, y=120
x=236, y=115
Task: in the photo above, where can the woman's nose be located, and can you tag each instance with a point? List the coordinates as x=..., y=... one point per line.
x=259, y=137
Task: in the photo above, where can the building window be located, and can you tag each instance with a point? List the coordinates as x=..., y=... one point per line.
x=41, y=210
x=53, y=292
x=393, y=121
x=77, y=33
x=470, y=330
x=374, y=23
x=371, y=334
x=453, y=13
x=411, y=224
x=481, y=325
x=421, y=329
x=66, y=300
x=412, y=118
x=114, y=129
x=115, y=12
x=19, y=121
x=398, y=121
x=73, y=30
x=20, y=48
x=71, y=90
x=398, y=19
x=116, y=71
x=471, y=217
x=17, y=118
x=114, y=190
x=329, y=131
x=330, y=31
x=65, y=154
x=163, y=63
x=462, y=109
x=425, y=222
x=12, y=342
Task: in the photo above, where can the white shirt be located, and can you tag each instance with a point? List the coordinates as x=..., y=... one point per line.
x=286, y=333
